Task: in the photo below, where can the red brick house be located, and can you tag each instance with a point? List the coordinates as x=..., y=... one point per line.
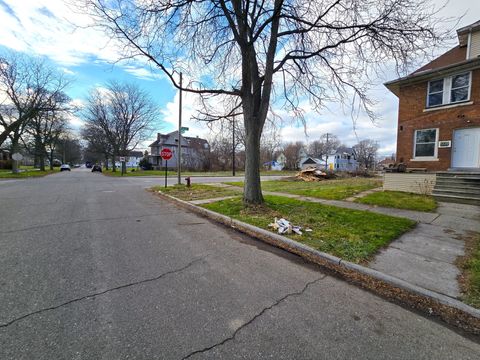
x=439, y=109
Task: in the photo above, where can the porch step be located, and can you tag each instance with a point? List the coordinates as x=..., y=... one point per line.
x=459, y=187
x=457, y=199
x=457, y=191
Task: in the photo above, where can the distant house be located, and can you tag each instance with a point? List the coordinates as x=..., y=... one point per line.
x=312, y=162
x=343, y=159
x=386, y=163
x=195, y=151
x=4, y=154
x=132, y=160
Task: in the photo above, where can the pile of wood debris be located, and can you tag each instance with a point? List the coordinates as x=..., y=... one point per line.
x=311, y=174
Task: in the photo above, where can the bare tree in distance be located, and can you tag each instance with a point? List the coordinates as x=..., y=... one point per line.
x=293, y=154
x=366, y=153
x=264, y=52
x=48, y=126
x=97, y=146
x=123, y=114
x=28, y=87
x=324, y=146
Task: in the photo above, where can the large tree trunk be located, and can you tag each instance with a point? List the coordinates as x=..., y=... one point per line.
x=51, y=159
x=42, y=162
x=14, y=149
x=114, y=166
x=252, y=188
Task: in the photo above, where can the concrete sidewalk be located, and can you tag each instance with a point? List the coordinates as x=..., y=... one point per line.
x=426, y=255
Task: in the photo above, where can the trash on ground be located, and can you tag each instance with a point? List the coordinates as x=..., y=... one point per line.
x=311, y=174
x=284, y=226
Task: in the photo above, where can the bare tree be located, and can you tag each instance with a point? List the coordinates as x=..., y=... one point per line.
x=28, y=88
x=366, y=153
x=97, y=147
x=123, y=114
x=325, y=145
x=293, y=155
x=267, y=51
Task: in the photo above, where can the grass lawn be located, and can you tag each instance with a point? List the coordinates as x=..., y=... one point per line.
x=191, y=173
x=197, y=191
x=470, y=266
x=328, y=189
x=7, y=174
x=350, y=234
x=400, y=200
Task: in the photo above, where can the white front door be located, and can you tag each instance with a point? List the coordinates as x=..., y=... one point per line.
x=466, y=148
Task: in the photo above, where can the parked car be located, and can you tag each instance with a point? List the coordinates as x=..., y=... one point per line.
x=88, y=165
x=65, y=167
x=96, y=168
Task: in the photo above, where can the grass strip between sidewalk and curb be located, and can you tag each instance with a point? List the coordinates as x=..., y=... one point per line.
x=400, y=200
x=197, y=191
x=159, y=173
x=470, y=266
x=432, y=304
x=25, y=174
x=336, y=189
x=353, y=235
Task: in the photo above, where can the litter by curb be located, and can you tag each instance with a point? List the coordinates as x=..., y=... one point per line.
x=448, y=309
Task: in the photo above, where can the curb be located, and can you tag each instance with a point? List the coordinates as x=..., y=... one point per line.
x=450, y=310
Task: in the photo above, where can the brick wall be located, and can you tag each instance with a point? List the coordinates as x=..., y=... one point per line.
x=411, y=117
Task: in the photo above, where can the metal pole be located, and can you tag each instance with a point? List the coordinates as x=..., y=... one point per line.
x=166, y=167
x=326, y=155
x=179, y=152
x=233, y=146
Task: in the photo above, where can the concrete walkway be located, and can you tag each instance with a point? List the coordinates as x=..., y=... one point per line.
x=426, y=255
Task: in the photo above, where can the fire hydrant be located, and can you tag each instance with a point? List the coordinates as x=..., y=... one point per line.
x=187, y=179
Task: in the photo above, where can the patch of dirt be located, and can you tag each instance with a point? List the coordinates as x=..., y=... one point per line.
x=257, y=210
x=471, y=240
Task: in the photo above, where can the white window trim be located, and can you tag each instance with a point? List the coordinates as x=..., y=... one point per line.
x=425, y=158
x=447, y=91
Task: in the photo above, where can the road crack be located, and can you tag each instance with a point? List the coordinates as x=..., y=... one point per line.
x=41, y=226
x=256, y=316
x=4, y=325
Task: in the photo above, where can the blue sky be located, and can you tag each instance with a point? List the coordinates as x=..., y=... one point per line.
x=44, y=28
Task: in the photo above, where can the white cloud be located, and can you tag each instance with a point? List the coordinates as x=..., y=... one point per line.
x=67, y=71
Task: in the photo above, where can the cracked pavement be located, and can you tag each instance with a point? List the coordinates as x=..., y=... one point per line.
x=93, y=267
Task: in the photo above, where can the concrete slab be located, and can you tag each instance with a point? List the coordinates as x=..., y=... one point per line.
x=419, y=216
x=456, y=222
x=418, y=242
x=431, y=274
x=459, y=210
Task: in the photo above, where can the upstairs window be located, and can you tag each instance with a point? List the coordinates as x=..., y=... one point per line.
x=449, y=90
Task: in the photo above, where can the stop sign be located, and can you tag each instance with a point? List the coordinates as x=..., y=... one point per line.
x=166, y=154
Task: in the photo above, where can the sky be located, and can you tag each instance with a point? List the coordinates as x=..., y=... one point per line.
x=87, y=57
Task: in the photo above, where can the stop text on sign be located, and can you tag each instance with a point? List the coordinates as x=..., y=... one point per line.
x=166, y=154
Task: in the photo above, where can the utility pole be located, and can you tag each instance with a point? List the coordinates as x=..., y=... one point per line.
x=233, y=146
x=179, y=152
x=326, y=155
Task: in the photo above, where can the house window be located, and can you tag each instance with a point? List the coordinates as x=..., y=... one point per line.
x=426, y=143
x=449, y=90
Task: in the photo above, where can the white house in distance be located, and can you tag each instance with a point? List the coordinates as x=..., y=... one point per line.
x=342, y=160
x=132, y=160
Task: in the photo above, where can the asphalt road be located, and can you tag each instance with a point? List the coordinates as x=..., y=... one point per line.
x=93, y=267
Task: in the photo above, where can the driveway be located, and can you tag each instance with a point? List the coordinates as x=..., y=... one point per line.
x=97, y=268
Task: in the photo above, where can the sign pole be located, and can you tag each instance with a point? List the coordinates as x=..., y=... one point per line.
x=179, y=150
x=166, y=167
